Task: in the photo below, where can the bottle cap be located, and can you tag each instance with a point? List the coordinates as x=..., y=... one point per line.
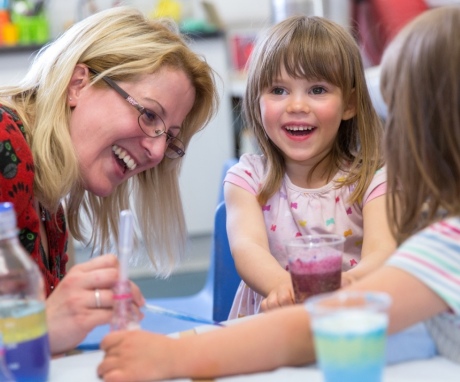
x=7, y=220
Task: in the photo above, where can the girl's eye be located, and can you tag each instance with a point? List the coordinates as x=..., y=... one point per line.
x=318, y=90
x=278, y=91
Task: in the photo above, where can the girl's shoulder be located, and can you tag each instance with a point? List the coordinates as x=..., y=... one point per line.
x=251, y=163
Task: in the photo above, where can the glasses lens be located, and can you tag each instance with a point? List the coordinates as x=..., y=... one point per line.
x=175, y=149
x=151, y=124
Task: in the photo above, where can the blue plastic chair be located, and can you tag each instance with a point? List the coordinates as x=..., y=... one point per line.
x=226, y=278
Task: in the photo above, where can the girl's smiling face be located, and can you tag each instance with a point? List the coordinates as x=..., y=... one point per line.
x=104, y=126
x=302, y=117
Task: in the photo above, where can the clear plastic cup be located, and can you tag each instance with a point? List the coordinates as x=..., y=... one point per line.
x=315, y=264
x=349, y=330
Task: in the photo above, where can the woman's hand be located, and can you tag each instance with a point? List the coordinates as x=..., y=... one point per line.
x=82, y=301
x=282, y=295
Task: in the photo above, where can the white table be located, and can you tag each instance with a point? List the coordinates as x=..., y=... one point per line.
x=83, y=367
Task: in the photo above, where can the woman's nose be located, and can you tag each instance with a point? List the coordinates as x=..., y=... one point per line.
x=155, y=147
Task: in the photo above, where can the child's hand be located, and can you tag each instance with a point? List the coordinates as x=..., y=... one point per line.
x=281, y=296
x=347, y=279
x=136, y=356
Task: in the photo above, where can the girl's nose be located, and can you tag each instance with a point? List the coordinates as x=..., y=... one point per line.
x=298, y=104
x=155, y=148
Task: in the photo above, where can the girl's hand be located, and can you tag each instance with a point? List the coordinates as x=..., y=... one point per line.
x=281, y=296
x=347, y=279
x=82, y=301
x=134, y=356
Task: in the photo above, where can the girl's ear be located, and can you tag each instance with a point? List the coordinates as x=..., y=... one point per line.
x=78, y=81
x=350, y=108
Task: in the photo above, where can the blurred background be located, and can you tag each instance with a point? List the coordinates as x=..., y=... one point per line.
x=223, y=32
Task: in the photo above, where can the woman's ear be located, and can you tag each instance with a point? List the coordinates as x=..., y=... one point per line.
x=350, y=108
x=78, y=81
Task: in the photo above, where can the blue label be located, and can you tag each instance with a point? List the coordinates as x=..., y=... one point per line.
x=29, y=360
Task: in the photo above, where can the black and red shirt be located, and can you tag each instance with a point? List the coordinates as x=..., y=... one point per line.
x=17, y=186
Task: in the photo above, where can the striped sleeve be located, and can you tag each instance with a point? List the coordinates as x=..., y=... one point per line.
x=433, y=256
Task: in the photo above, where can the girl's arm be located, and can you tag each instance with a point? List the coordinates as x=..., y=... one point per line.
x=412, y=300
x=378, y=242
x=263, y=342
x=249, y=246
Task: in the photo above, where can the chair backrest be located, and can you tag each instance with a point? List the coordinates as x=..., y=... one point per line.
x=226, y=278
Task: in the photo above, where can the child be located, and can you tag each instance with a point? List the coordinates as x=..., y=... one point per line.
x=420, y=69
x=321, y=170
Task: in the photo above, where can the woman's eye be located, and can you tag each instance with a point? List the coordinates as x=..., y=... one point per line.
x=150, y=117
x=169, y=137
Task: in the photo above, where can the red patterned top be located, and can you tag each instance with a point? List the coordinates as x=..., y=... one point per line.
x=16, y=186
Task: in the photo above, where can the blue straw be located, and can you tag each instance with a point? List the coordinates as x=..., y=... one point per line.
x=180, y=315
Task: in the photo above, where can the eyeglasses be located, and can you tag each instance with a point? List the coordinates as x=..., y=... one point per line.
x=150, y=122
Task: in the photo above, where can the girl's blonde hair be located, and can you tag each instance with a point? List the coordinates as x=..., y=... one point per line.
x=420, y=83
x=316, y=48
x=122, y=44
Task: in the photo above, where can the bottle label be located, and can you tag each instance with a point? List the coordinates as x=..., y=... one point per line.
x=25, y=338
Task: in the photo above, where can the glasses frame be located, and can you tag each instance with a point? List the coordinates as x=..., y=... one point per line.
x=175, y=145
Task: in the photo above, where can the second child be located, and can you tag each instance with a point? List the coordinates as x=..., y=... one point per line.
x=321, y=169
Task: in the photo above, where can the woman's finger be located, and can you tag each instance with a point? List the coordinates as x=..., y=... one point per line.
x=99, y=262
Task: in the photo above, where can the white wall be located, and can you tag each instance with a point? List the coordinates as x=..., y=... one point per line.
x=64, y=12
x=234, y=13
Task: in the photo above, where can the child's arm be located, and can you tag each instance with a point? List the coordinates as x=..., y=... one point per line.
x=253, y=345
x=378, y=242
x=244, y=347
x=249, y=245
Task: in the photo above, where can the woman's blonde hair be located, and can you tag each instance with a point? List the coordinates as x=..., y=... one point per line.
x=316, y=48
x=120, y=43
x=420, y=83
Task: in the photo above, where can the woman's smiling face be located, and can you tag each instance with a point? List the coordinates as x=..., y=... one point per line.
x=110, y=145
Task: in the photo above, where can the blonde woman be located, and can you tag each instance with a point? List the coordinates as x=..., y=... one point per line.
x=105, y=111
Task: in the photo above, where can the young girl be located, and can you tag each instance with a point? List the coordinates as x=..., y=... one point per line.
x=321, y=168
x=422, y=143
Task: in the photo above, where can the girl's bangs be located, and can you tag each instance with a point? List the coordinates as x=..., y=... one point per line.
x=314, y=58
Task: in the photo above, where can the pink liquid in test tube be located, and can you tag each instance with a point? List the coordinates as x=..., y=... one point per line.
x=124, y=316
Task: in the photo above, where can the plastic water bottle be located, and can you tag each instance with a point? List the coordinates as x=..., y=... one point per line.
x=22, y=306
x=5, y=373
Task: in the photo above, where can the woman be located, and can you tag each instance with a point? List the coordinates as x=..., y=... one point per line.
x=105, y=111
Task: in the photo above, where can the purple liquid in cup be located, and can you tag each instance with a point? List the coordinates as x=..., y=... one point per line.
x=320, y=272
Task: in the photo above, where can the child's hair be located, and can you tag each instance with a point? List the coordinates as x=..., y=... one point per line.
x=123, y=44
x=420, y=83
x=315, y=48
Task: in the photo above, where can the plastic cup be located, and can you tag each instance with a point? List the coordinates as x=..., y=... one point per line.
x=349, y=330
x=315, y=264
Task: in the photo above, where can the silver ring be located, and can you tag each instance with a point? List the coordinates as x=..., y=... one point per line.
x=97, y=295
